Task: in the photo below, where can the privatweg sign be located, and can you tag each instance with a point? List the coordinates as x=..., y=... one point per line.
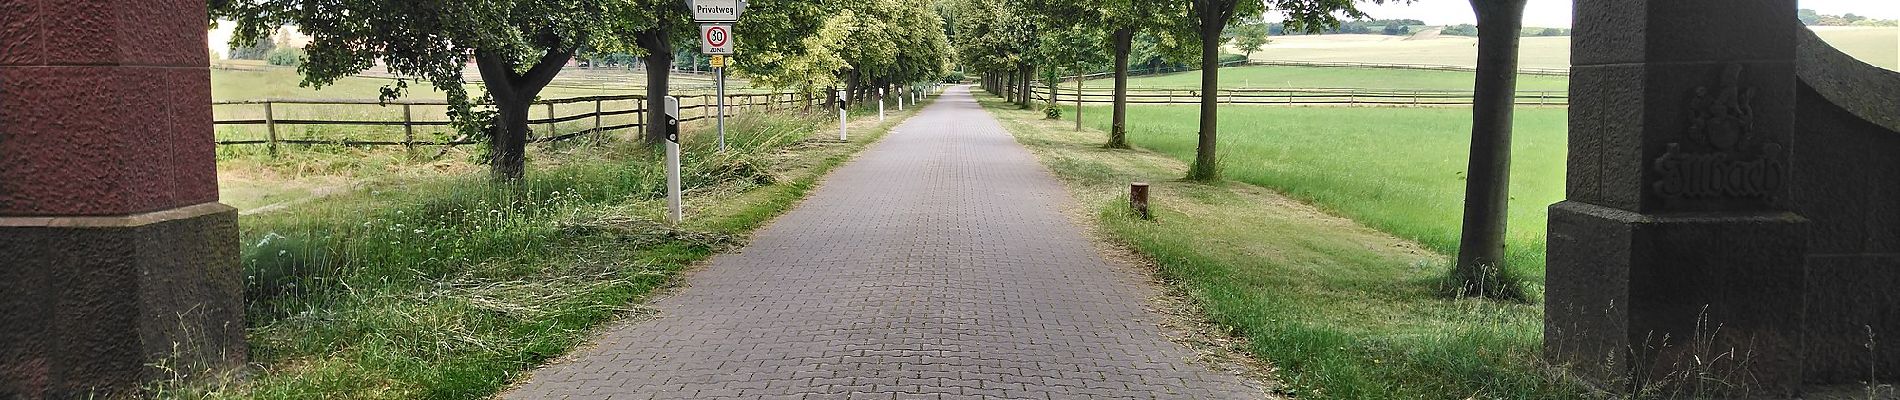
x=716, y=10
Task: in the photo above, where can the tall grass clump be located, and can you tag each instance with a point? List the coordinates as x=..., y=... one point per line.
x=449, y=288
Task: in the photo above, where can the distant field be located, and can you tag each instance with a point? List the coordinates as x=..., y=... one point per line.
x=1321, y=77
x=1397, y=169
x=1879, y=46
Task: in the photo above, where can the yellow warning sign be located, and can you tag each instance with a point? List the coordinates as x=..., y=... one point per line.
x=719, y=61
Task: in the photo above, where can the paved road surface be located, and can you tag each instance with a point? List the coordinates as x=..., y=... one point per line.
x=937, y=265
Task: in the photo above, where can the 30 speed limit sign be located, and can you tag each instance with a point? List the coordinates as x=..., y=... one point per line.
x=715, y=38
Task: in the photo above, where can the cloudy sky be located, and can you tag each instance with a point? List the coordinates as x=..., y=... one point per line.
x=1556, y=13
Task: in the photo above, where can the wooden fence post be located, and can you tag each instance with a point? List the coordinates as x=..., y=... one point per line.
x=270, y=124
x=550, y=120
x=597, y=109
x=408, y=130
x=640, y=118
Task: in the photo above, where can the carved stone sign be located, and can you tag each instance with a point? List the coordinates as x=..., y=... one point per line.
x=1723, y=157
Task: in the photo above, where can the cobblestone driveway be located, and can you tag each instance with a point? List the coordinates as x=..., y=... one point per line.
x=937, y=265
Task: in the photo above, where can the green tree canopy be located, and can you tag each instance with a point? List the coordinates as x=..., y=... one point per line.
x=518, y=47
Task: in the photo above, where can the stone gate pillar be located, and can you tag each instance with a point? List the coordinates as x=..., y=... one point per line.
x=115, y=254
x=1675, y=252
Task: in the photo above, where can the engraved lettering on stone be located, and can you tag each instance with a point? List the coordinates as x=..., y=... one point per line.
x=1722, y=157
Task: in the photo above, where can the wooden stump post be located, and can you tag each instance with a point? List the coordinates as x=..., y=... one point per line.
x=1138, y=200
x=270, y=124
x=550, y=121
x=408, y=130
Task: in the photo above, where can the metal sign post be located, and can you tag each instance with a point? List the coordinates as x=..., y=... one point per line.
x=843, y=132
x=719, y=84
x=673, y=160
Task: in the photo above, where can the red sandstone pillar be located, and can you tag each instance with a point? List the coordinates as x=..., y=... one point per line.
x=114, y=251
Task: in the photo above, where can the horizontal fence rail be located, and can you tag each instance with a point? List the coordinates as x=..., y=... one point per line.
x=410, y=123
x=1297, y=96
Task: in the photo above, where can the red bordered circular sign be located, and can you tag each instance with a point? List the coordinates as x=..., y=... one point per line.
x=717, y=36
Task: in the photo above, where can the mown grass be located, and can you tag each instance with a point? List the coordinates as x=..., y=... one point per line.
x=1316, y=77
x=450, y=288
x=1400, y=170
x=1343, y=311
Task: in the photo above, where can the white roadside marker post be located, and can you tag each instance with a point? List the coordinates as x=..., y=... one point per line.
x=843, y=132
x=880, y=104
x=673, y=160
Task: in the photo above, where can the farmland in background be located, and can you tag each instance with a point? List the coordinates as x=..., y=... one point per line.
x=1879, y=46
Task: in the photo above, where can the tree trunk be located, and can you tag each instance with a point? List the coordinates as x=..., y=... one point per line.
x=1118, y=127
x=1480, y=270
x=1055, y=94
x=1206, y=163
x=1025, y=87
x=659, y=47
x=514, y=92
x=851, y=89
x=1009, y=87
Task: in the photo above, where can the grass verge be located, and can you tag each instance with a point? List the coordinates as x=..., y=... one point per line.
x=1344, y=311
x=1400, y=170
x=450, y=288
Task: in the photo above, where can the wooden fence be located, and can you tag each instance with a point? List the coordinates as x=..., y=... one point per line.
x=1298, y=96
x=276, y=122
x=1316, y=64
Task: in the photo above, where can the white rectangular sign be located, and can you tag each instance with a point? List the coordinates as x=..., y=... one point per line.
x=715, y=39
x=715, y=10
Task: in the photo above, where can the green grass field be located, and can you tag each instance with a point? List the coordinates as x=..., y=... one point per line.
x=1341, y=311
x=1875, y=45
x=1396, y=169
x=1318, y=77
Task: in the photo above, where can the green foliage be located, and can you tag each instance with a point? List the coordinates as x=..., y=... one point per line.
x=1811, y=18
x=253, y=49
x=813, y=45
x=1461, y=30
x=1250, y=37
x=288, y=57
x=519, y=46
x=1360, y=26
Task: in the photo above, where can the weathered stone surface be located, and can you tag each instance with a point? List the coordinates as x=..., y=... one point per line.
x=1844, y=142
x=117, y=256
x=1848, y=299
x=20, y=32
x=1677, y=251
x=104, y=140
x=91, y=303
x=1662, y=292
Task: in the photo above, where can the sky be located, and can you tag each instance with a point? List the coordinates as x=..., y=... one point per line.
x=1556, y=13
